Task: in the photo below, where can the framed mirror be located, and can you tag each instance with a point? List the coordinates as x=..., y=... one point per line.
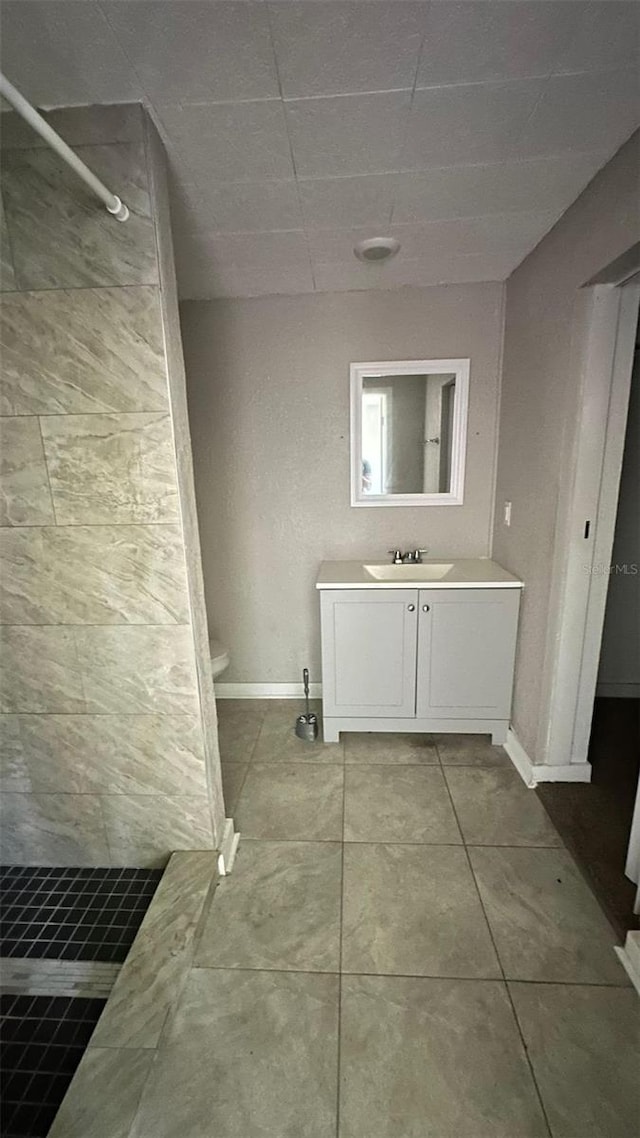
x=409, y=432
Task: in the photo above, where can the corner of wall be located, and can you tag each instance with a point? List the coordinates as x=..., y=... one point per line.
x=180, y=422
x=496, y=453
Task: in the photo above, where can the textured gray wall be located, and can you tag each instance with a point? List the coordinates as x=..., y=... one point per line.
x=268, y=387
x=103, y=750
x=539, y=407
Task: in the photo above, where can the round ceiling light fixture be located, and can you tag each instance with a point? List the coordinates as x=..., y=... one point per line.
x=376, y=249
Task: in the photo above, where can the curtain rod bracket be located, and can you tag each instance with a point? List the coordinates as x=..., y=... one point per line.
x=115, y=206
x=119, y=210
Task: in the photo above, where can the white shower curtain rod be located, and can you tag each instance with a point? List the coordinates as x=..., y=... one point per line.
x=41, y=126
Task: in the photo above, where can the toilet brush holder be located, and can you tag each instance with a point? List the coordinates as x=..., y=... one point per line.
x=307, y=724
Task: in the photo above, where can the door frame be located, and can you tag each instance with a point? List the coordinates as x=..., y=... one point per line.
x=602, y=349
x=384, y=395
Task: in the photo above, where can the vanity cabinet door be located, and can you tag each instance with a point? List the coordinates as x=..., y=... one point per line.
x=466, y=651
x=369, y=652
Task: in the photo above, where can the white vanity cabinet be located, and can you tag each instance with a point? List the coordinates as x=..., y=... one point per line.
x=465, y=653
x=369, y=653
x=418, y=659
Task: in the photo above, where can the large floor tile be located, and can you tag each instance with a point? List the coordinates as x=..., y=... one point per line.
x=160, y=958
x=292, y=801
x=280, y=909
x=233, y=776
x=414, y=911
x=470, y=751
x=433, y=1059
x=584, y=1044
x=398, y=804
x=495, y=808
x=239, y=723
x=278, y=742
x=388, y=747
x=546, y=923
x=250, y=1054
x=104, y=1096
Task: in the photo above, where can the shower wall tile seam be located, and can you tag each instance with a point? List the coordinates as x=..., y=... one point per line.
x=9, y=292
x=81, y=414
x=95, y=624
x=117, y=794
x=98, y=714
x=48, y=475
x=78, y=525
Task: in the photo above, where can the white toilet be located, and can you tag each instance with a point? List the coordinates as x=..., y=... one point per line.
x=219, y=657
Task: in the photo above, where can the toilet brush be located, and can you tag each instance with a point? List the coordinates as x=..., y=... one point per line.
x=307, y=724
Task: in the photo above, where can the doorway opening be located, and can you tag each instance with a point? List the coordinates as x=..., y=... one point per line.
x=600, y=820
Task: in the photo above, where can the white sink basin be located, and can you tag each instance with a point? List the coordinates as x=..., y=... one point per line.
x=430, y=571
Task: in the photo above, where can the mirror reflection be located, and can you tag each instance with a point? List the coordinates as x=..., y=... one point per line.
x=407, y=433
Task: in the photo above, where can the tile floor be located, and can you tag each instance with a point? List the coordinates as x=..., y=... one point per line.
x=404, y=950
x=62, y=913
x=43, y=1039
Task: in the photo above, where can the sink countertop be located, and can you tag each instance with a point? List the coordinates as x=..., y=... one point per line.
x=471, y=573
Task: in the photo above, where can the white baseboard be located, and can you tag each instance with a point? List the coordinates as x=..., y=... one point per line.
x=630, y=958
x=618, y=691
x=568, y=772
x=534, y=773
x=228, y=848
x=266, y=691
x=519, y=758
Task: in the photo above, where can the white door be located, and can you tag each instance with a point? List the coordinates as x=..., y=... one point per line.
x=375, y=442
x=587, y=514
x=632, y=867
x=369, y=652
x=466, y=651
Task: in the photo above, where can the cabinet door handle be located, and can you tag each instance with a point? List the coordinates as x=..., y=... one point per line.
x=412, y=608
x=425, y=608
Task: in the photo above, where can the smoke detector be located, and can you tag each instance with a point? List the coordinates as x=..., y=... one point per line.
x=376, y=249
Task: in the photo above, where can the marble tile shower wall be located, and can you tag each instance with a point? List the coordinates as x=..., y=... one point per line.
x=102, y=740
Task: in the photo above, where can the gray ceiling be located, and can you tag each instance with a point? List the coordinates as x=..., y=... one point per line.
x=296, y=127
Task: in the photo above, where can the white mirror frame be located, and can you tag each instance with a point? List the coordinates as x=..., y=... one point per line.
x=359, y=372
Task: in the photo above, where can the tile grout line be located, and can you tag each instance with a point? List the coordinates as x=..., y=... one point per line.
x=409, y=111
x=285, y=117
x=501, y=967
x=410, y=976
x=248, y=766
x=382, y=842
x=340, y=946
x=45, y=463
x=82, y=287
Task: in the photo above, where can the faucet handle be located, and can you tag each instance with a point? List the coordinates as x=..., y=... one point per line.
x=417, y=554
x=397, y=556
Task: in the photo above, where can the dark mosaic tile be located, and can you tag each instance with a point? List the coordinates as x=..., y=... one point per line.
x=49, y=913
x=43, y=1040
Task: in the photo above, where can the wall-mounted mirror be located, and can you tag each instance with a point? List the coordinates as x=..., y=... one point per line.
x=409, y=432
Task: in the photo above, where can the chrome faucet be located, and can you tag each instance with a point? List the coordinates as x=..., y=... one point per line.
x=411, y=557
